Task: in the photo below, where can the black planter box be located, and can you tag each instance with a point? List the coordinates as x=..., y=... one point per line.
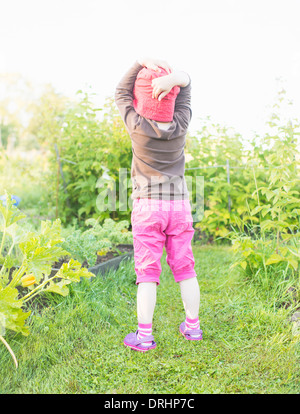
x=114, y=263
x=102, y=268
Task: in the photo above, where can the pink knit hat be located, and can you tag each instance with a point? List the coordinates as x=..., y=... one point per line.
x=148, y=107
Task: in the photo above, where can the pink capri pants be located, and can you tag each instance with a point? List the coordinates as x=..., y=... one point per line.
x=159, y=223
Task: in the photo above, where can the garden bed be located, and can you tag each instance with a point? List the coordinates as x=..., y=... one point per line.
x=110, y=260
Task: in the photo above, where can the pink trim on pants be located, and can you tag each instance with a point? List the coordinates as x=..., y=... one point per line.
x=159, y=223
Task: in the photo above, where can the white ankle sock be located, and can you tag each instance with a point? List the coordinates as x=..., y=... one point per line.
x=190, y=294
x=146, y=300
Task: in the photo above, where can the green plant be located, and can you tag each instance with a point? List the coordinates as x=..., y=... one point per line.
x=31, y=268
x=90, y=149
x=84, y=246
x=115, y=231
x=273, y=255
x=225, y=163
x=98, y=239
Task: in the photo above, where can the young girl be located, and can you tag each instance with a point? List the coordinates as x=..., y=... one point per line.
x=155, y=105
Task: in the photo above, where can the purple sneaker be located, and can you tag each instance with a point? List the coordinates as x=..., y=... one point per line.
x=197, y=333
x=133, y=342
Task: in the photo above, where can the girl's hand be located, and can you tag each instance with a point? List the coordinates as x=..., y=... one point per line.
x=162, y=86
x=155, y=64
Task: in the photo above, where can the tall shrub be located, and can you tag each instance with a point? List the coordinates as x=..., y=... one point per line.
x=273, y=255
x=224, y=160
x=91, y=150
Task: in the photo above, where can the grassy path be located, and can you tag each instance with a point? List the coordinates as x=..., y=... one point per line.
x=75, y=345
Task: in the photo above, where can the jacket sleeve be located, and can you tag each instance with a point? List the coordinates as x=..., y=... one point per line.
x=183, y=110
x=124, y=97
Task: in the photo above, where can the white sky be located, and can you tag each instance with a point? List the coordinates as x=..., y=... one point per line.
x=233, y=49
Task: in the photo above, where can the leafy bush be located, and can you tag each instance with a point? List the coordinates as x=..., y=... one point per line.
x=91, y=149
x=224, y=202
x=271, y=254
x=99, y=239
x=228, y=204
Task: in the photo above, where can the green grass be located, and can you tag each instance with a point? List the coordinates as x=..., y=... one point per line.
x=76, y=343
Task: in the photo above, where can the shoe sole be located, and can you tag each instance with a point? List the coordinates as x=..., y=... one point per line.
x=189, y=339
x=136, y=348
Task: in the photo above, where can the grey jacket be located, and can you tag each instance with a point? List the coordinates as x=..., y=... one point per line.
x=158, y=160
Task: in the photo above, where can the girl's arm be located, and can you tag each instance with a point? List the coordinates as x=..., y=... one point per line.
x=183, y=107
x=124, y=96
x=163, y=85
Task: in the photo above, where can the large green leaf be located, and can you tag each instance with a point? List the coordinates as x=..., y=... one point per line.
x=73, y=271
x=41, y=249
x=274, y=258
x=40, y=261
x=58, y=287
x=10, y=309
